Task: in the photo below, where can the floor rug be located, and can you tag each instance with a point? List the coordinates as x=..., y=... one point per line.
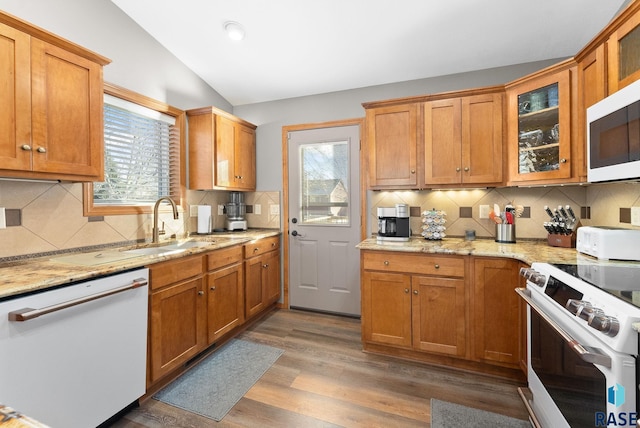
x=219, y=381
x=450, y=415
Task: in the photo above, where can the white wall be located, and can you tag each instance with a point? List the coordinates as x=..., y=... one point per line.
x=139, y=62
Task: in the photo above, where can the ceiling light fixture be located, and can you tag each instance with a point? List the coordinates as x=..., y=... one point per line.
x=234, y=30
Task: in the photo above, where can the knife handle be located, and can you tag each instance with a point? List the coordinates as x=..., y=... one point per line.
x=548, y=211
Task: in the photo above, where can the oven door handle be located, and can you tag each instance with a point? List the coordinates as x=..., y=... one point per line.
x=588, y=354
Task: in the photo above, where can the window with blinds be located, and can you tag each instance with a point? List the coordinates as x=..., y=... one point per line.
x=142, y=155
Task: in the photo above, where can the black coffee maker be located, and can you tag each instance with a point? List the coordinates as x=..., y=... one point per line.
x=393, y=223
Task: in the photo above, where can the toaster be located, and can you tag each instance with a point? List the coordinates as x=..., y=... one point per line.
x=615, y=243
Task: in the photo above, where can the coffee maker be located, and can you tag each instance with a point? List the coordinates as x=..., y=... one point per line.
x=393, y=223
x=236, y=210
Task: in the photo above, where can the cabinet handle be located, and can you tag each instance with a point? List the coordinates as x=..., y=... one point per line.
x=563, y=160
x=386, y=262
x=213, y=288
x=265, y=265
x=256, y=249
x=26, y=147
x=413, y=171
x=437, y=266
x=415, y=292
x=200, y=293
x=273, y=244
x=41, y=150
x=406, y=290
x=458, y=169
x=466, y=168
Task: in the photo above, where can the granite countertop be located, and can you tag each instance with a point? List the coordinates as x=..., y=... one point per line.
x=39, y=273
x=527, y=251
x=11, y=418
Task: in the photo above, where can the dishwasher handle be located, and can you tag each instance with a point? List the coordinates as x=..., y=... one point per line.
x=27, y=314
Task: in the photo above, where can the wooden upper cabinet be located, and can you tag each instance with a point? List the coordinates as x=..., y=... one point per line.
x=51, y=109
x=222, y=151
x=15, y=104
x=463, y=140
x=624, y=51
x=541, y=117
x=391, y=144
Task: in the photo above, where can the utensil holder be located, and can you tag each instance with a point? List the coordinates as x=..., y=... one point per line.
x=565, y=241
x=506, y=233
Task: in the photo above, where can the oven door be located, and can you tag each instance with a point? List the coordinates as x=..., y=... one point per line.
x=575, y=380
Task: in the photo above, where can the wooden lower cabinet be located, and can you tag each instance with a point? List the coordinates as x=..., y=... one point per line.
x=496, y=311
x=198, y=300
x=225, y=300
x=439, y=315
x=262, y=274
x=386, y=308
x=418, y=311
x=177, y=328
x=453, y=310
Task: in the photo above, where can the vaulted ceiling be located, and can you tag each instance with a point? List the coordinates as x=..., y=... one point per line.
x=295, y=48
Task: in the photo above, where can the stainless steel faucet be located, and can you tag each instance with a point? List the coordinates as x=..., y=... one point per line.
x=156, y=232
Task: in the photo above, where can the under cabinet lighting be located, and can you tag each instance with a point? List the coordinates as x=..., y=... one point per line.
x=234, y=30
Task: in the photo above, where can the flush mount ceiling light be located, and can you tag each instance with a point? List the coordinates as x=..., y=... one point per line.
x=234, y=30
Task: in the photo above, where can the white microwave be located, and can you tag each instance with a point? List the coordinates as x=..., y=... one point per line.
x=613, y=136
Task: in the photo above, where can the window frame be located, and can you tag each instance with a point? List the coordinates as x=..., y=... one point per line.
x=89, y=209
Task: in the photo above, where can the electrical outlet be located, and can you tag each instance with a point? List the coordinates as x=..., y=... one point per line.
x=193, y=210
x=635, y=216
x=274, y=209
x=484, y=211
x=257, y=209
x=220, y=209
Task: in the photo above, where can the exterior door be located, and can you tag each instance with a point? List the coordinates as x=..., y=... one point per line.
x=324, y=219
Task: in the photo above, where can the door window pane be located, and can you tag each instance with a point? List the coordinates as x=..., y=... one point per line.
x=324, y=183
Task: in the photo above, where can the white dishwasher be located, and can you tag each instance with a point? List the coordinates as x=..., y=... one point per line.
x=76, y=355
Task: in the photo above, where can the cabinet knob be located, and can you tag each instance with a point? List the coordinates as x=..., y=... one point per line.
x=437, y=266
x=26, y=147
x=213, y=288
x=406, y=290
x=563, y=160
x=458, y=169
x=256, y=249
x=386, y=262
x=41, y=150
x=413, y=171
x=466, y=168
x=265, y=265
x=415, y=292
x=273, y=244
x=200, y=293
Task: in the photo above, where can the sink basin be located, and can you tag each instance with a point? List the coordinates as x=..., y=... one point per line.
x=172, y=248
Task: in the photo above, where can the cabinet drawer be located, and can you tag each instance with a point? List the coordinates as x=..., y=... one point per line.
x=224, y=257
x=261, y=246
x=166, y=273
x=414, y=263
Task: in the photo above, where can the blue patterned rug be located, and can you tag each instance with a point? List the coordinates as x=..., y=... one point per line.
x=218, y=382
x=450, y=415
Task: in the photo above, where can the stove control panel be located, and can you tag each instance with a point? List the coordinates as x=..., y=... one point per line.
x=533, y=276
x=595, y=317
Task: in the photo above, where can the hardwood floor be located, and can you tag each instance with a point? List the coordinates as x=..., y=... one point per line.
x=325, y=380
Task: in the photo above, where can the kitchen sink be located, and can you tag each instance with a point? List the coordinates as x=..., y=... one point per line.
x=168, y=248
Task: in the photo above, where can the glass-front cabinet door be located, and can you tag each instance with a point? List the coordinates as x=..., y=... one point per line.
x=539, y=140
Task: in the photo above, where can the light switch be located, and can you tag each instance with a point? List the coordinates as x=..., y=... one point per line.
x=484, y=211
x=274, y=209
x=257, y=209
x=3, y=219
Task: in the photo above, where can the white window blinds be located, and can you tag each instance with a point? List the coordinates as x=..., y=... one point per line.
x=142, y=156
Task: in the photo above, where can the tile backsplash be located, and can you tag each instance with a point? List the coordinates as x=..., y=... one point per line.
x=604, y=201
x=51, y=218
x=51, y=214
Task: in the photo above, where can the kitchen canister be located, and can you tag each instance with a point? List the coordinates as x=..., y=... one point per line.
x=506, y=233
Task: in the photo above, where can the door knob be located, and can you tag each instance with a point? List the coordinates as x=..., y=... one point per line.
x=294, y=233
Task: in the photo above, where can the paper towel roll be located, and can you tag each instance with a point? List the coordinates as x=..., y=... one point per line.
x=204, y=218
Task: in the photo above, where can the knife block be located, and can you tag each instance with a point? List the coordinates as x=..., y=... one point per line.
x=565, y=241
